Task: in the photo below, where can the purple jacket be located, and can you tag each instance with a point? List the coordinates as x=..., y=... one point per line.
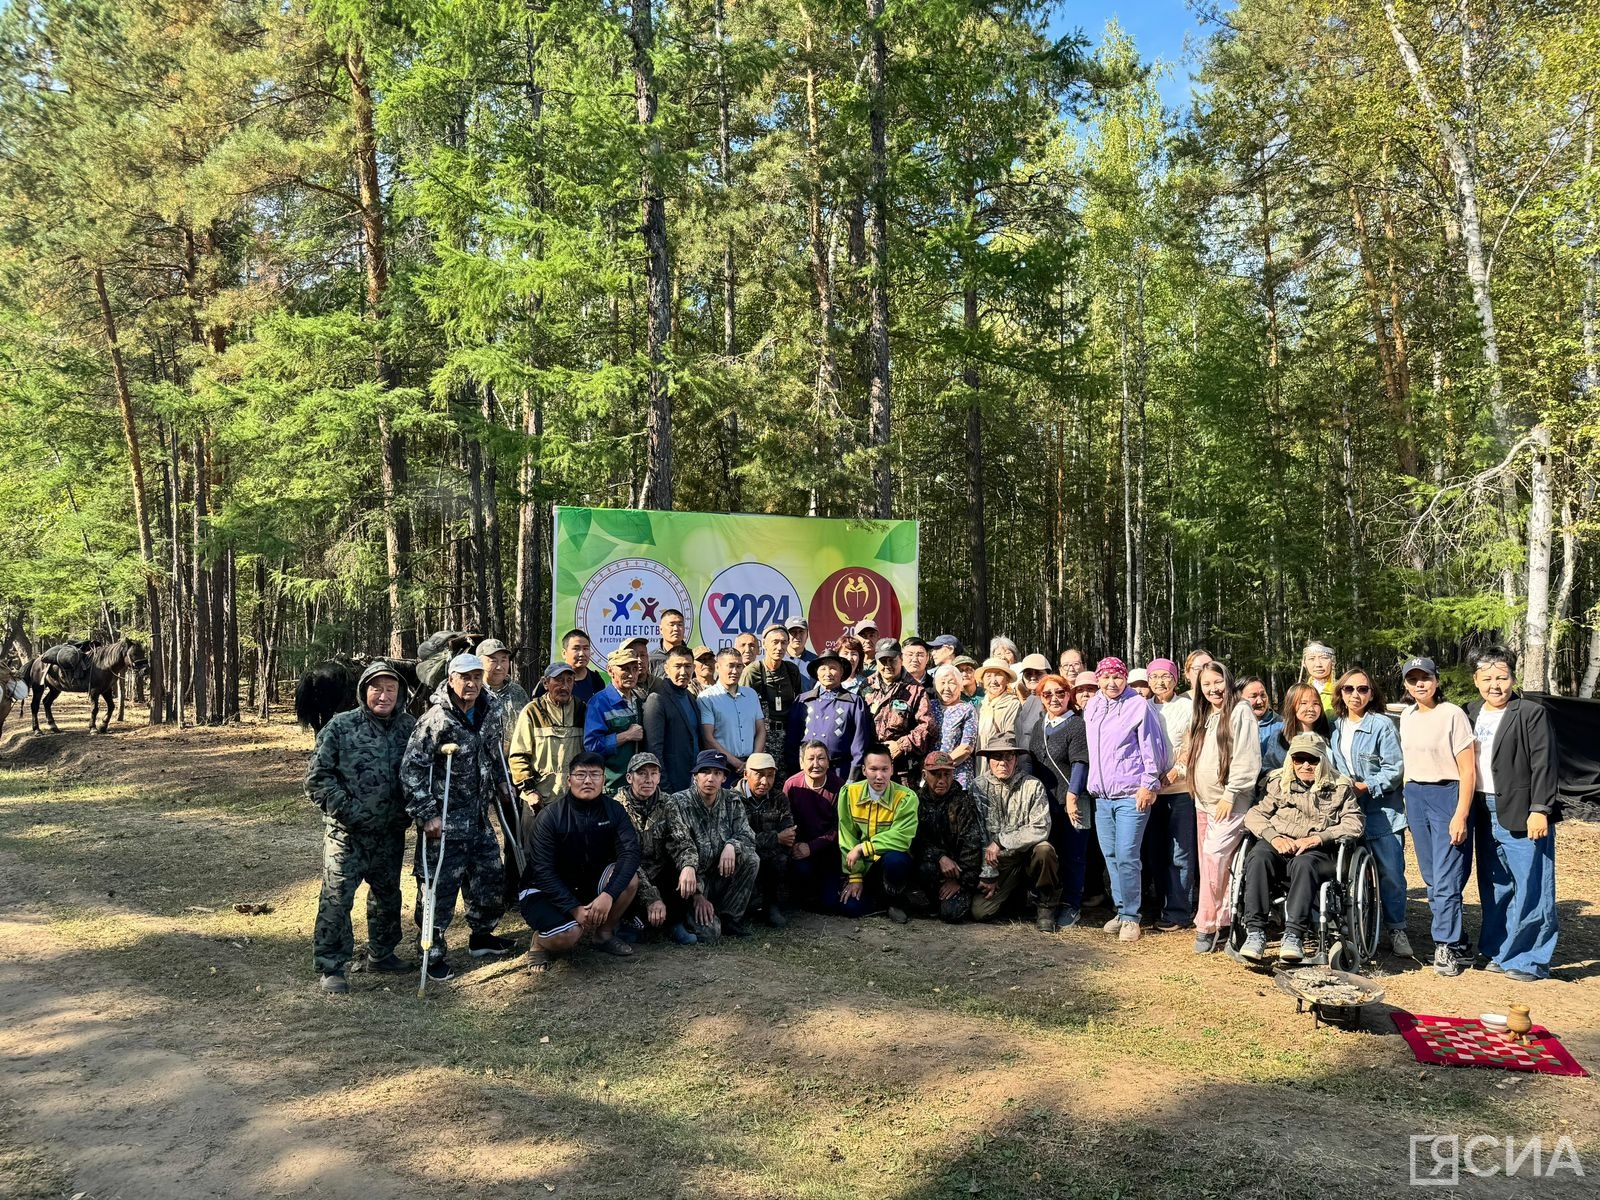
x=1127, y=744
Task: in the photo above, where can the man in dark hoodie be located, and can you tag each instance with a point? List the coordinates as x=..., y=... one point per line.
x=583, y=872
x=354, y=778
x=462, y=712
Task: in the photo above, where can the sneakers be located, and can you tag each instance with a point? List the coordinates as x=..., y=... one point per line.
x=390, y=964
x=898, y=915
x=775, y=917
x=1165, y=926
x=1400, y=944
x=1293, y=948
x=681, y=935
x=708, y=931
x=439, y=969
x=1494, y=968
x=486, y=945
x=1446, y=963
x=1520, y=976
x=335, y=984
x=1067, y=916
x=1255, y=946
x=1130, y=932
x=1113, y=926
x=1204, y=943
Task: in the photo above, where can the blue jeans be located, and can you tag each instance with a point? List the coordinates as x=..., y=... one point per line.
x=1072, y=848
x=1175, y=815
x=1429, y=807
x=1120, y=826
x=886, y=882
x=1389, y=848
x=1517, y=889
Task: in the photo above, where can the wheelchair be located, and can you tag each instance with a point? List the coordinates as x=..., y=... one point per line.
x=1345, y=916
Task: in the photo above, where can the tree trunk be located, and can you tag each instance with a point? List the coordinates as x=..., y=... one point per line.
x=199, y=589
x=529, y=566
x=878, y=260
x=141, y=513
x=656, y=490
x=977, y=532
x=396, y=521
x=1541, y=529
x=178, y=659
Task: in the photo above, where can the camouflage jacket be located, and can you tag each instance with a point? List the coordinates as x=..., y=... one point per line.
x=769, y=816
x=649, y=817
x=475, y=775
x=354, y=776
x=949, y=826
x=513, y=699
x=696, y=834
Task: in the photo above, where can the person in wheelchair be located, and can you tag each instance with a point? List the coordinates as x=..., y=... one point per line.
x=1307, y=810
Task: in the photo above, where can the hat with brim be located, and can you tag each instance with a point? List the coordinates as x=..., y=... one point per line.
x=558, y=668
x=964, y=660
x=704, y=652
x=823, y=660
x=1420, y=663
x=1138, y=675
x=711, y=760
x=492, y=646
x=1086, y=679
x=999, y=747
x=464, y=662
x=938, y=761
x=626, y=656
x=1309, y=743
x=998, y=664
x=1035, y=662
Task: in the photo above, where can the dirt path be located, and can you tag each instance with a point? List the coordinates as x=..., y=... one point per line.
x=158, y=1044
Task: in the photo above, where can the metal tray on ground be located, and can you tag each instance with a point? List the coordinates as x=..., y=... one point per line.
x=1334, y=997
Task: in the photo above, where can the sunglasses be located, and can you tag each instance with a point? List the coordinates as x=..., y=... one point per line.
x=1305, y=760
x=1051, y=693
x=1360, y=689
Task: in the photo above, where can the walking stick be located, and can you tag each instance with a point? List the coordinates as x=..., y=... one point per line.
x=430, y=883
x=510, y=819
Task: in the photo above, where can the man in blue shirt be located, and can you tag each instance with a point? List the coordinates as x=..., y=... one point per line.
x=613, y=724
x=731, y=720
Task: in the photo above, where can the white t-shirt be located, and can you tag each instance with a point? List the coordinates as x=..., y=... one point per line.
x=1347, y=741
x=1430, y=739
x=1485, y=728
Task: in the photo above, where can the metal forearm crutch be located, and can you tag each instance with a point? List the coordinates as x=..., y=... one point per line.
x=430, y=881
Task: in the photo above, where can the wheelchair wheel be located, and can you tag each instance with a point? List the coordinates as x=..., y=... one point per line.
x=1342, y=956
x=1363, y=911
x=1236, y=930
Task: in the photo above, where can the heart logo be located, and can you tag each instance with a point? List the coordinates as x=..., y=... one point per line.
x=716, y=602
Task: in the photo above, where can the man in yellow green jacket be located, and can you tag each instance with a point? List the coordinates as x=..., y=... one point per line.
x=877, y=824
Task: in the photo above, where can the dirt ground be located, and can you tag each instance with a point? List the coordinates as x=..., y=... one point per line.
x=156, y=1043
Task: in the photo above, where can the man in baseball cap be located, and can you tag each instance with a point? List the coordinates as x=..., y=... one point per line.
x=945, y=647
x=613, y=721
x=772, y=822
x=948, y=850
x=546, y=736
x=799, y=655
x=710, y=842
x=496, y=656
x=901, y=713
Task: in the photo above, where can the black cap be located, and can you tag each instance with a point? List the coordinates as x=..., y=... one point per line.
x=886, y=648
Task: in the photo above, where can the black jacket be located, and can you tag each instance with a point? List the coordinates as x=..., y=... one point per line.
x=1524, y=761
x=1056, y=753
x=672, y=733
x=574, y=841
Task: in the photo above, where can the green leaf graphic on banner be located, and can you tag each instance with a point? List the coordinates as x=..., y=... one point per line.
x=567, y=583
x=576, y=524
x=901, y=545
x=592, y=554
x=626, y=526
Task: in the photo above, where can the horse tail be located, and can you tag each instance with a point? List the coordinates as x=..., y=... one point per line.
x=305, y=702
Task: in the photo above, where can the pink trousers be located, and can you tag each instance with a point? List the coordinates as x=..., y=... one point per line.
x=1219, y=841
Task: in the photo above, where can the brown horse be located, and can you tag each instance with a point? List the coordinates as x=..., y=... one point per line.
x=95, y=670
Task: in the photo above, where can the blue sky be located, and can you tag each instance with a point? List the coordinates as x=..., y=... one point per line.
x=1158, y=28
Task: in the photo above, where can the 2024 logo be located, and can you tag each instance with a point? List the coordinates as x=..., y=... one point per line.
x=747, y=598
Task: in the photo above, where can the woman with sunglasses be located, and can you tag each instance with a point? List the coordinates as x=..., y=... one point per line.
x=1366, y=749
x=1060, y=751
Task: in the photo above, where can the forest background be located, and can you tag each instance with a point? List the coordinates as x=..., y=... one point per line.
x=309, y=313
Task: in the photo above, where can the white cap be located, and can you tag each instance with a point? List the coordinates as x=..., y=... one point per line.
x=464, y=662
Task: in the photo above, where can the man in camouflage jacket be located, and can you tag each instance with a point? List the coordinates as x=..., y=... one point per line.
x=462, y=711
x=772, y=821
x=948, y=850
x=354, y=778
x=713, y=848
x=642, y=799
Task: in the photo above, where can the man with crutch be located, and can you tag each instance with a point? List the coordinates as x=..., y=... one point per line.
x=464, y=715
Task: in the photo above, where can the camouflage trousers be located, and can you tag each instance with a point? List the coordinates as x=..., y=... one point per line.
x=473, y=870
x=773, y=877
x=731, y=894
x=348, y=860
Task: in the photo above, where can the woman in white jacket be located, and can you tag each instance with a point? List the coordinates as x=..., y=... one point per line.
x=1219, y=758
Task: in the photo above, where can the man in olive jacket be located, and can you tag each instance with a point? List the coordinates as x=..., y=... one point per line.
x=354, y=778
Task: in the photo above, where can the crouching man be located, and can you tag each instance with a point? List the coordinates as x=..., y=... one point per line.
x=710, y=840
x=949, y=846
x=354, y=779
x=584, y=870
x=1016, y=814
x=877, y=826
x=1306, y=810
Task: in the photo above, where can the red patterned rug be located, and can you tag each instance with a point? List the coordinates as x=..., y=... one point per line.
x=1464, y=1042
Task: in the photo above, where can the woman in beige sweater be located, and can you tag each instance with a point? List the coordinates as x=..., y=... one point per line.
x=1219, y=758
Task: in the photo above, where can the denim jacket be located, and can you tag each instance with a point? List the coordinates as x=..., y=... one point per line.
x=1376, y=762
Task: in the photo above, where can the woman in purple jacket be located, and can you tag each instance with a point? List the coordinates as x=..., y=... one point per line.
x=1127, y=749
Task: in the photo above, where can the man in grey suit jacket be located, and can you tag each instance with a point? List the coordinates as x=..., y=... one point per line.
x=672, y=721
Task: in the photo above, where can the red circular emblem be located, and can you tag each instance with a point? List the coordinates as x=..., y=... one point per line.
x=848, y=597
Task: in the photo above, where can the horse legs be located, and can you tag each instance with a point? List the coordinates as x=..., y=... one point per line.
x=105, y=725
x=94, y=708
x=50, y=694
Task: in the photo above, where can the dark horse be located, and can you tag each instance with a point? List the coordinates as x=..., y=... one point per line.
x=72, y=668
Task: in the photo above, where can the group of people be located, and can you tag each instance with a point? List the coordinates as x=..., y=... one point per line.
x=688, y=792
